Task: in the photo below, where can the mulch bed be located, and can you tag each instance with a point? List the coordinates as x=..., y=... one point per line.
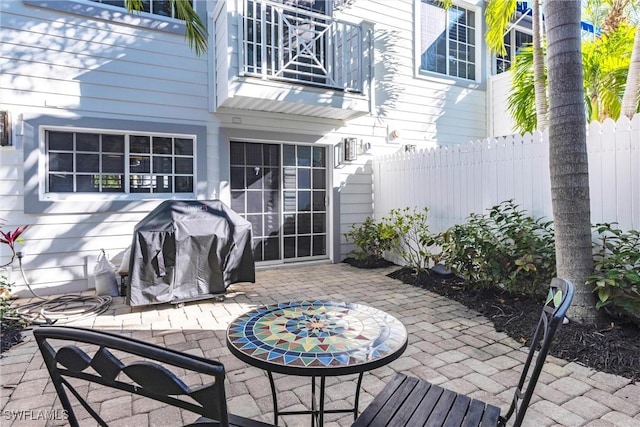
x=10, y=335
x=613, y=346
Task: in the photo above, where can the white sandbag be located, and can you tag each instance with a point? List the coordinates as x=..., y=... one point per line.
x=105, y=276
x=123, y=270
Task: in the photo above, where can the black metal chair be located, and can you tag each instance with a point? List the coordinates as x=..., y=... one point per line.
x=76, y=356
x=408, y=401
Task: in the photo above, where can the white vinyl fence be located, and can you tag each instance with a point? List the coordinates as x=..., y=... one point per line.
x=456, y=181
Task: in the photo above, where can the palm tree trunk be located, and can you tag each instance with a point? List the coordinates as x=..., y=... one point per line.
x=568, y=154
x=631, y=95
x=539, y=83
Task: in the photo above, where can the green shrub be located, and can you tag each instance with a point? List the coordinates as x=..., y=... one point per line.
x=414, y=241
x=371, y=238
x=11, y=323
x=616, y=277
x=504, y=248
x=5, y=298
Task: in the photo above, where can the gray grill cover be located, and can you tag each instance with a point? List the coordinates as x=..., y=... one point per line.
x=185, y=250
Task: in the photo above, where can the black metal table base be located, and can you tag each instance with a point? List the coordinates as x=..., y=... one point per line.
x=317, y=411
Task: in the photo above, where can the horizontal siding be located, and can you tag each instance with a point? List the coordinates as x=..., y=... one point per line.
x=68, y=65
x=89, y=66
x=36, y=88
x=11, y=187
x=122, y=78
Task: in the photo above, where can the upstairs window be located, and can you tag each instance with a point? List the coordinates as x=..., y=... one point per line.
x=514, y=40
x=448, y=40
x=88, y=162
x=154, y=7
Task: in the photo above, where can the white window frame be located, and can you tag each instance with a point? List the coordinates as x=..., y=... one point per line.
x=100, y=2
x=43, y=171
x=106, y=12
x=513, y=48
x=479, y=45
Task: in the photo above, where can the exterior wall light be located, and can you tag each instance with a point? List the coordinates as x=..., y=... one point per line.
x=338, y=159
x=5, y=128
x=350, y=149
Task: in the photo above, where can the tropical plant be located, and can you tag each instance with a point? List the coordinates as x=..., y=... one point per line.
x=505, y=247
x=5, y=297
x=371, y=238
x=605, y=65
x=10, y=239
x=195, y=30
x=616, y=279
x=415, y=242
x=10, y=321
x=609, y=14
x=568, y=160
x=498, y=16
x=520, y=102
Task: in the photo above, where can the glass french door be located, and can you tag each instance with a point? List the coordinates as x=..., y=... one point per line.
x=282, y=190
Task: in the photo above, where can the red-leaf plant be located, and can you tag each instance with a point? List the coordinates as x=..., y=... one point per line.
x=10, y=239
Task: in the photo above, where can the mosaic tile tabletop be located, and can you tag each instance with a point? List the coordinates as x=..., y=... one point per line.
x=309, y=337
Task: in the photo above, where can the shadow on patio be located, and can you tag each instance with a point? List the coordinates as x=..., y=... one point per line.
x=449, y=345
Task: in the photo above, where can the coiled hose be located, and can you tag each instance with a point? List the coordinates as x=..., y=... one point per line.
x=63, y=309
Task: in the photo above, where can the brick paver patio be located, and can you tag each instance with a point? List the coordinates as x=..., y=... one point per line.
x=449, y=345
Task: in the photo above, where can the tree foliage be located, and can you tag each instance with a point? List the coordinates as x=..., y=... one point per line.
x=605, y=63
x=195, y=29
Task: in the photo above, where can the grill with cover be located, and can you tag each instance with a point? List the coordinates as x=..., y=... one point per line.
x=188, y=250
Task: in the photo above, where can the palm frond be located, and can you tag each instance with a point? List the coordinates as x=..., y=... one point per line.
x=195, y=30
x=521, y=99
x=498, y=15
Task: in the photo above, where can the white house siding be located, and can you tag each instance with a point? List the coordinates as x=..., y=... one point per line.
x=426, y=110
x=68, y=65
x=414, y=106
x=500, y=121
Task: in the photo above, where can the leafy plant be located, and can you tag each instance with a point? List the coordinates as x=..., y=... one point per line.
x=504, y=248
x=10, y=322
x=5, y=297
x=616, y=278
x=414, y=241
x=371, y=238
x=10, y=239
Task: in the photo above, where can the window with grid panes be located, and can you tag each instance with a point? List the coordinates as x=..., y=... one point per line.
x=88, y=162
x=448, y=40
x=155, y=7
x=514, y=40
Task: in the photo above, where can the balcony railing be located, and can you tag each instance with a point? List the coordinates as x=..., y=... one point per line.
x=294, y=44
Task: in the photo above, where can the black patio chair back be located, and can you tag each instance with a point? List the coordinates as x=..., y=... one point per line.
x=408, y=401
x=75, y=356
